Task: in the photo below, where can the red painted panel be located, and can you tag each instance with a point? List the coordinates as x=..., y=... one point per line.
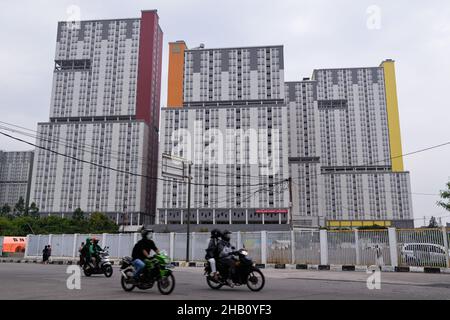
x=149, y=77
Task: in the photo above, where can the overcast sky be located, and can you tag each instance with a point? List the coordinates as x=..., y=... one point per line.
x=315, y=34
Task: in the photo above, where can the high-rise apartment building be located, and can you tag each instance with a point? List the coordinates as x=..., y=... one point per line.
x=337, y=135
x=226, y=113
x=345, y=149
x=15, y=176
x=105, y=111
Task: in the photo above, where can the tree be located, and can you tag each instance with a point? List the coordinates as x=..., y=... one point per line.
x=19, y=208
x=433, y=223
x=33, y=209
x=445, y=195
x=6, y=209
x=78, y=214
x=98, y=222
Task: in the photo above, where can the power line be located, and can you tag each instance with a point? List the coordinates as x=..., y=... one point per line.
x=395, y=157
x=123, y=171
x=74, y=145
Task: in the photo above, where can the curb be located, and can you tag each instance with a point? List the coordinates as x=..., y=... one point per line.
x=278, y=266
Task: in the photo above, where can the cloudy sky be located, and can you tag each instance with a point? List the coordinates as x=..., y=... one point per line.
x=315, y=34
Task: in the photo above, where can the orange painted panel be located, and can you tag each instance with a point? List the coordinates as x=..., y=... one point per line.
x=176, y=73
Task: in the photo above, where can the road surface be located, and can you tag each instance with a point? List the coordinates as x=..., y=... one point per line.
x=36, y=281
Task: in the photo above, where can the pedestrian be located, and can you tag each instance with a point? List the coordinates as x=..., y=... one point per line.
x=45, y=255
x=49, y=252
x=379, y=256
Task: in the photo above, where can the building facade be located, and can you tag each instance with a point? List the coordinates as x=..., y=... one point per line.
x=345, y=149
x=15, y=177
x=104, y=114
x=226, y=114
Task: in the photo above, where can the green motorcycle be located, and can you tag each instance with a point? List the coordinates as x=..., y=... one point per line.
x=157, y=269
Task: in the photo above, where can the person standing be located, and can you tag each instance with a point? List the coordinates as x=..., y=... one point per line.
x=49, y=252
x=45, y=255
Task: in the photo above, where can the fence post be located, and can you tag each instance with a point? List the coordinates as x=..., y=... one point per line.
x=323, y=247
x=358, y=258
x=192, y=245
x=393, y=246
x=263, y=247
x=118, y=245
x=171, y=245
x=239, y=240
x=74, y=249
x=50, y=240
x=104, y=239
x=26, y=246
x=444, y=234
x=292, y=246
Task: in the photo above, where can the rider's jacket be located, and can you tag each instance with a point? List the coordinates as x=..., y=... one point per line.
x=224, y=248
x=212, y=250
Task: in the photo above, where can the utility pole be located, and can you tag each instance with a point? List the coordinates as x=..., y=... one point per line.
x=290, y=203
x=175, y=167
x=188, y=211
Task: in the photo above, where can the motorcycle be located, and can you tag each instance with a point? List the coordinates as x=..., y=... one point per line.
x=102, y=267
x=157, y=269
x=246, y=273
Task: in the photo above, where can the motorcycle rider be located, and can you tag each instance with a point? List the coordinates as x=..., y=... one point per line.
x=225, y=249
x=85, y=252
x=141, y=251
x=81, y=254
x=95, y=251
x=212, y=252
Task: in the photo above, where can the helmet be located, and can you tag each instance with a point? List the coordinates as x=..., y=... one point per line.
x=216, y=233
x=146, y=233
x=226, y=235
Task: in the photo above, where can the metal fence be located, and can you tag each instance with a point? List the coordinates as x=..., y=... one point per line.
x=341, y=247
x=422, y=247
x=307, y=247
x=414, y=247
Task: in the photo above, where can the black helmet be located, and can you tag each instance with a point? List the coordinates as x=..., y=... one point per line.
x=145, y=232
x=216, y=234
x=226, y=235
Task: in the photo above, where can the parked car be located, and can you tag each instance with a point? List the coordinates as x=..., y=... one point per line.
x=423, y=254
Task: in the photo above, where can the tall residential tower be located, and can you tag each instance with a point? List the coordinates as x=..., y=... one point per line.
x=104, y=111
x=15, y=176
x=226, y=113
x=345, y=149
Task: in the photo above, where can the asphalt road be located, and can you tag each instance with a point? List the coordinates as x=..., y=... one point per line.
x=35, y=281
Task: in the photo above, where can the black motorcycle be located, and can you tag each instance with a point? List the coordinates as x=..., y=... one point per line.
x=245, y=273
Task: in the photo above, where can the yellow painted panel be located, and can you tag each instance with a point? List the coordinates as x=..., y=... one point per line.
x=346, y=223
x=393, y=115
x=334, y=223
x=357, y=223
x=368, y=223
